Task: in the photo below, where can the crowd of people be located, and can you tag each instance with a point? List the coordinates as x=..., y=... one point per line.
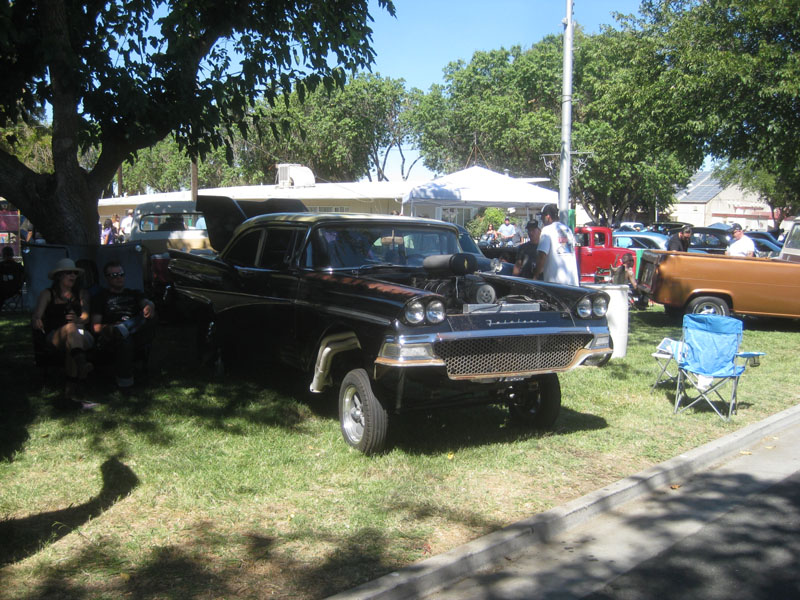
x=114, y=230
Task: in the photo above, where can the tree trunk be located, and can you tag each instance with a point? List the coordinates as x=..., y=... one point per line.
x=62, y=206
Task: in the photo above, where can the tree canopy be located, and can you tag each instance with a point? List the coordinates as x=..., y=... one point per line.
x=505, y=107
x=119, y=77
x=341, y=135
x=728, y=82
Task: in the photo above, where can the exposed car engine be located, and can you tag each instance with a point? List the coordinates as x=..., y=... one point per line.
x=453, y=277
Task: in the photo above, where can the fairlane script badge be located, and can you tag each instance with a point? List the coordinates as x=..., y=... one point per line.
x=492, y=323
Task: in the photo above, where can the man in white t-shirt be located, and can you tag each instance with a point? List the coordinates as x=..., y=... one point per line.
x=741, y=244
x=127, y=223
x=556, y=262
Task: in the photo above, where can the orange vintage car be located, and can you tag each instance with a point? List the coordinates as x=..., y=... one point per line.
x=687, y=282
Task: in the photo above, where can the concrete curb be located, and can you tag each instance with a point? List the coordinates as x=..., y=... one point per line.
x=425, y=577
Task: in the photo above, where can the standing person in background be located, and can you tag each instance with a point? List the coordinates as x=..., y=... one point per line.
x=528, y=252
x=741, y=244
x=679, y=242
x=107, y=236
x=556, y=261
x=62, y=317
x=127, y=224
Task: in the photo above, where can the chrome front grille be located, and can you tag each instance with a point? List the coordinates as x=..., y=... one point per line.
x=475, y=357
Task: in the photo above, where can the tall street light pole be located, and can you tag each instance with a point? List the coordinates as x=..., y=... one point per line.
x=566, y=121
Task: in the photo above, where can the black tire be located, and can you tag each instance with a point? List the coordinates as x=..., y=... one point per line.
x=363, y=420
x=709, y=305
x=537, y=406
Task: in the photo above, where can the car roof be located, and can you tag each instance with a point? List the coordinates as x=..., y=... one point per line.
x=647, y=234
x=311, y=218
x=710, y=230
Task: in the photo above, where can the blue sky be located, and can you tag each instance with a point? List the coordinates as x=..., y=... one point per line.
x=428, y=34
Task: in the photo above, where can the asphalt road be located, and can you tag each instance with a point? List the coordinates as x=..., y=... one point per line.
x=730, y=531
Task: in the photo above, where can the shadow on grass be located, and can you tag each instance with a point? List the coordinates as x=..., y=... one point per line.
x=25, y=536
x=257, y=565
x=250, y=393
x=260, y=567
x=443, y=431
x=16, y=377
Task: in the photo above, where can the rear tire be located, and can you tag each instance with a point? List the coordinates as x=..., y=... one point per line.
x=537, y=406
x=709, y=305
x=363, y=420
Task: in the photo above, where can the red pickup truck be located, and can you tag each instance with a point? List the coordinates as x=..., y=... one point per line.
x=595, y=250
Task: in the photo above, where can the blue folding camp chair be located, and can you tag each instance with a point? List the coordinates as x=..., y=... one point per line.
x=709, y=360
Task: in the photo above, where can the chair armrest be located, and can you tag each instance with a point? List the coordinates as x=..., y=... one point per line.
x=750, y=358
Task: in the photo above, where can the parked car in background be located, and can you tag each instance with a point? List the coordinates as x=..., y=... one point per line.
x=710, y=239
x=644, y=240
x=159, y=226
x=595, y=252
x=764, y=235
x=387, y=310
x=764, y=247
x=631, y=226
x=667, y=227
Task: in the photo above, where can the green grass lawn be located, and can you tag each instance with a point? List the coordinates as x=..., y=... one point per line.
x=208, y=487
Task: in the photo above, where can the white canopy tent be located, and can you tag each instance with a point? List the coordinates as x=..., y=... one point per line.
x=479, y=187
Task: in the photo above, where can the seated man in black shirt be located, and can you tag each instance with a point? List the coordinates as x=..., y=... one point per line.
x=123, y=321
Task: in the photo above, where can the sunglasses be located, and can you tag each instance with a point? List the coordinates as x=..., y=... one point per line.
x=115, y=275
x=76, y=273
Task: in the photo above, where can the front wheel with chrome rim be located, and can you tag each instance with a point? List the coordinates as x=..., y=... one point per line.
x=363, y=419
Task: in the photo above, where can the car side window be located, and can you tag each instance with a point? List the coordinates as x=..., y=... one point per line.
x=713, y=241
x=793, y=239
x=243, y=252
x=278, y=247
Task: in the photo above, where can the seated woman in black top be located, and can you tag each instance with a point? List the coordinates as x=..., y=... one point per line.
x=61, y=314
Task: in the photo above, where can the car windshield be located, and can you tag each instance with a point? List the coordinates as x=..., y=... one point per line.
x=360, y=245
x=467, y=244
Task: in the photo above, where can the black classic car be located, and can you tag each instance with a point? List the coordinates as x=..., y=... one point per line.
x=390, y=310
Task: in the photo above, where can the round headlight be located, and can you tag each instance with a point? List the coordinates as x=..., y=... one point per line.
x=600, y=306
x=435, y=312
x=415, y=312
x=584, y=308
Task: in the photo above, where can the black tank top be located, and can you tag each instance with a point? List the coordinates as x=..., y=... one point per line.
x=55, y=315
